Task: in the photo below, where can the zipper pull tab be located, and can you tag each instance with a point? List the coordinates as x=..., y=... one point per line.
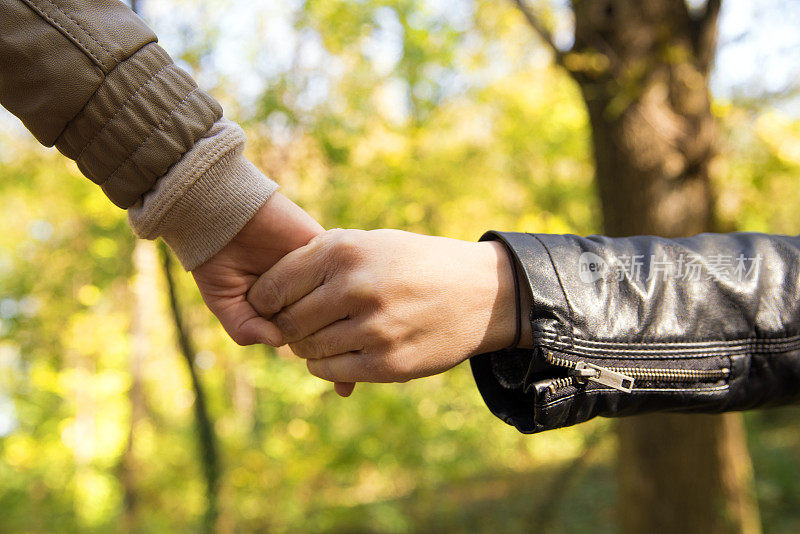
x=602, y=375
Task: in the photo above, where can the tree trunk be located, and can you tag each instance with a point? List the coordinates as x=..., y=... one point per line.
x=643, y=67
x=206, y=436
x=699, y=482
x=144, y=298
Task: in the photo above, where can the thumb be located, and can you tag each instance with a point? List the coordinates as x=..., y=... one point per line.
x=294, y=276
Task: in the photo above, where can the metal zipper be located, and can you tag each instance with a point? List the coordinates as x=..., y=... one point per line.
x=623, y=378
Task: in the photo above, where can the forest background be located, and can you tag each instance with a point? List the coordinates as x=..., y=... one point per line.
x=438, y=117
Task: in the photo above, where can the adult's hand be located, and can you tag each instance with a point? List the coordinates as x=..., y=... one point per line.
x=389, y=306
x=280, y=226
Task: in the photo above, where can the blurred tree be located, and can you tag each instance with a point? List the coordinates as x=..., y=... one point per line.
x=206, y=437
x=142, y=296
x=643, y=67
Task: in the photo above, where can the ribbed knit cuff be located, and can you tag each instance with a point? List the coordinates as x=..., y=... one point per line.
x=205, y=198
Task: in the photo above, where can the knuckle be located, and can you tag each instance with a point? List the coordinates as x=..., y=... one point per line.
x=322, y=243
x=313, y=350
x=380, y=336
x=321, y=239
x=268, y=295
x=287, y=324
x=374, y=332
x=325, y=347
x=347, y=245
x=332, y=234
x=361, y=289
x=328, y=239
x=347, y=240
x=307, y=348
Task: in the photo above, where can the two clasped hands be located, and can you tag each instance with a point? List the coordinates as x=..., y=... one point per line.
x=361, y=306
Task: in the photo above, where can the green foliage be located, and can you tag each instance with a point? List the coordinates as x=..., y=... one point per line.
x=456, y=126
x=454, y=136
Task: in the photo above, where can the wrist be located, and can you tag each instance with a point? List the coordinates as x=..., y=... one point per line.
x=497, y=273
x=205, y=199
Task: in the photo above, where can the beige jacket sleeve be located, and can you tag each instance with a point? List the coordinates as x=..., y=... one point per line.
x=88, y=77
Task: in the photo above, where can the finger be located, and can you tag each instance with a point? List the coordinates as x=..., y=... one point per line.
x=311, y=313
x=294, y=276
x=344, y=389
x=243, y=324
x=337, y=338
x=348, y=367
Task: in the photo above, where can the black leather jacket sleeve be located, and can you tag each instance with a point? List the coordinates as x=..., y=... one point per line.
x=625, y=326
